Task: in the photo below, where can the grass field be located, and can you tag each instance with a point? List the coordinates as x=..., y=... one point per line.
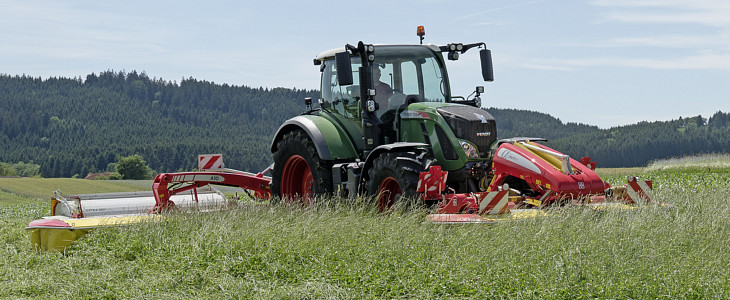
x=344, y=250
x=693, y=164
x=42, y=188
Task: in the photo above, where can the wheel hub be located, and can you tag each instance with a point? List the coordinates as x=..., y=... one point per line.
x=388, y=192
x=297, y=180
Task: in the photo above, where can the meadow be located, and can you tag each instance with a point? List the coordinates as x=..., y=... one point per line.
x=343, y=249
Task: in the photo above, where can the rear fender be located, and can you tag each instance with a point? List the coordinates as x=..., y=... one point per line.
x=402, y=146
x=331, y=142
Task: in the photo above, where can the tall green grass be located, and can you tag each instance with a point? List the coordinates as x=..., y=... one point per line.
x=708, y=163
x=345, y=250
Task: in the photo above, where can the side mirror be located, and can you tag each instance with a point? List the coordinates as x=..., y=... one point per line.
x=487, y=71
x=343, y=65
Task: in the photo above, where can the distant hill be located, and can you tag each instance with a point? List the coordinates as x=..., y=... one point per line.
x=75, y=126
x=80, y=126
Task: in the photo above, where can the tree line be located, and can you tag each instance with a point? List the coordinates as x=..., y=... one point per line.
x=20, y=169
x=76, y=126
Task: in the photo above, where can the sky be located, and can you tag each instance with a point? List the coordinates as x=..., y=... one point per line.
x=599, y=62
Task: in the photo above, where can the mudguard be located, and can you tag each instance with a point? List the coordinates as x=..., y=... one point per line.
x=331, y=142
x=401, y=146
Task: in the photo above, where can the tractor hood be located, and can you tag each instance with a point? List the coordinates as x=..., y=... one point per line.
x=472, y=124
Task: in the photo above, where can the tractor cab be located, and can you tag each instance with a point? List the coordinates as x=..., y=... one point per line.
x=367, y=89
x=397, y=73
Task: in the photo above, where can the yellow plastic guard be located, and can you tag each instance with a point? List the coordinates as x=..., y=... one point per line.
x=54, y=239
x=533, y=202
x=58, y=234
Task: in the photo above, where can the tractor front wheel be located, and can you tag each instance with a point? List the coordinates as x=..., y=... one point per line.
x=394, y=176
x=299, y=174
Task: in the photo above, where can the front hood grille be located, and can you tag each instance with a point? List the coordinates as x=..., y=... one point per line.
x=472, y=124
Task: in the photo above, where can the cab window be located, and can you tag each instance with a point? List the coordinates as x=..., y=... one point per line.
x=342, y=100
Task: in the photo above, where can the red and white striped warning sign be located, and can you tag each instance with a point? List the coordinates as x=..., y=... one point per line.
x=431, y=183
x=493, y=203
x=210, y=162
x=640, y=190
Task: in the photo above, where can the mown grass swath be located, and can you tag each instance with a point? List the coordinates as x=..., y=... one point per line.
x=343, y=249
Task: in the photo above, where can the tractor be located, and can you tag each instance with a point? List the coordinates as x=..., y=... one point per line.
x=388, y=126
x=386, y=114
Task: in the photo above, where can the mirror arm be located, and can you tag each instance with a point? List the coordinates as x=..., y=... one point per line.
x=469, y=46
x=350, y=48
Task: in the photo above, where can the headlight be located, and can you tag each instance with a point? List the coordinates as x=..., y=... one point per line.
x=469, y=149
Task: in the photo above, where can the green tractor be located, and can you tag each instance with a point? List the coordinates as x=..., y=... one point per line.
x=386, y=114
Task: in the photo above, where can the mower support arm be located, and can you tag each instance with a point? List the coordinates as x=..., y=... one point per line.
x=166, y=185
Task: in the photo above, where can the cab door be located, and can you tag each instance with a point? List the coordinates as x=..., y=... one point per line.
x=342, y=103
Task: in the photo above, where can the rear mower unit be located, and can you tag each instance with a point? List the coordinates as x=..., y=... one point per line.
x=387, y=125
x=72, y=216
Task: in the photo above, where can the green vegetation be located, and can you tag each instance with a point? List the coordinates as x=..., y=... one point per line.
x=7, y=170
x=693, y=164
x=345, y=250
x=20, y=169
x=74, y=127
x=42, y=188
x=133, y=167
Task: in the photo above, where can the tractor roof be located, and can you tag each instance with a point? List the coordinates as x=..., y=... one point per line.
x=331, y=53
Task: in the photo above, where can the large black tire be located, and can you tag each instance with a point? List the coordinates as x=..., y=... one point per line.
x=394, y=176
x=299, y=173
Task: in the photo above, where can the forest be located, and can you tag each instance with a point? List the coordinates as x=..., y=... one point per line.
x=75, y=126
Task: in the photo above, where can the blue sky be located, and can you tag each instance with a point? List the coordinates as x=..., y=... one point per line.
x=599, y=62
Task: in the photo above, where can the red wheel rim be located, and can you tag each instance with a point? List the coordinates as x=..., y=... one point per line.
x=297, y=180
x=388, y=191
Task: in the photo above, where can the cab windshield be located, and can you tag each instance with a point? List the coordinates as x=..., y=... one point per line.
x=399, y=73
x=409, y=70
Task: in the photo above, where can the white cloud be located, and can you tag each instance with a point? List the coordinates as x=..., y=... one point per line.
x=495, y=9
x=665, y=41
x=547, y=66
x=695, y=48
x=678, y=4
x=704, y=12
x=701, y=61
x=494, y=23
x=674, y=41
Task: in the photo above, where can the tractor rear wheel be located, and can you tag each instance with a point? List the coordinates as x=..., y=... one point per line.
x=299, y=174
x=394, y=176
